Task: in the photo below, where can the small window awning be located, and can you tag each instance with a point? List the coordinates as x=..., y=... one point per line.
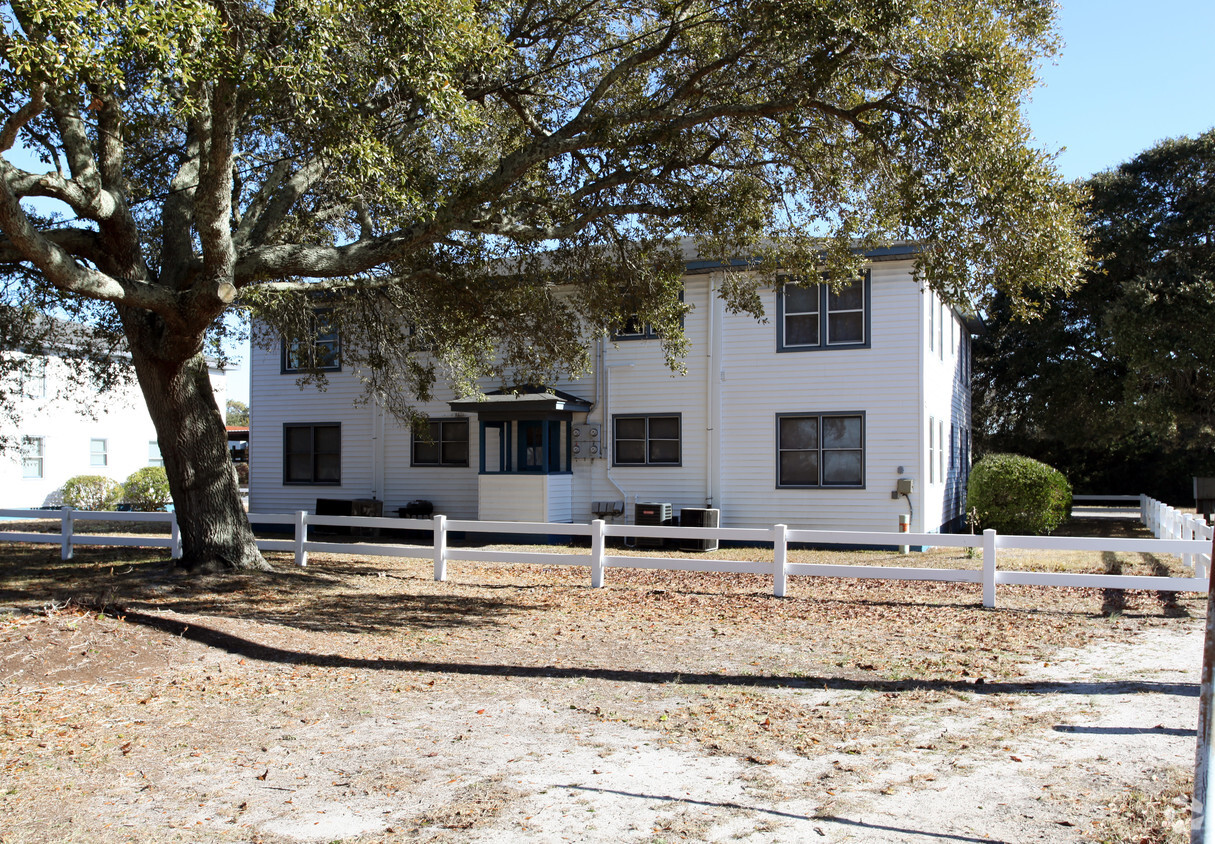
x=525, y=400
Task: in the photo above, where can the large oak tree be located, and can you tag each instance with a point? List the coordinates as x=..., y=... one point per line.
x=429, y=172
x=1115, y=384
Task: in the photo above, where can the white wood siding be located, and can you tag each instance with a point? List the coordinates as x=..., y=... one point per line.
x=728, y=457
x=946, y=401
x=880, y=381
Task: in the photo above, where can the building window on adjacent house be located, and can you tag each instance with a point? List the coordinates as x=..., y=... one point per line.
x=312, y=453
x=646, y=440
x=447, y=445
x=33, y=379
x=155, y=458
x=99, y=452
x=819, y=316
x=820, y=450
x=323, y=350
x=32, y=454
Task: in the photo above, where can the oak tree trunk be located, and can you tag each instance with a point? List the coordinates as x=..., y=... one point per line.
x=215, y=531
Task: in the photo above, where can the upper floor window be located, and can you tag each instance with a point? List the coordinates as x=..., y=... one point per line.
x=33, y=379
x=312, y=454
x=32, y=454
x=447, y=444
x=820, y=449
x=819, y=316
x=323, y=350
x=651, y=440
x=99, y=452
x=635, y=329
x=155, y=458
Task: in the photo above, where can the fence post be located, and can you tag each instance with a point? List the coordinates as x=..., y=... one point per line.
x=174, y=536
x=440, y=522
x=1202, y=562
x=780, y=557
x=989, y=568
x=597, y=553
x=301, y=538
x=65, y=533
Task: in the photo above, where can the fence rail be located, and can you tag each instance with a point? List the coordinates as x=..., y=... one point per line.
x=1181, y=534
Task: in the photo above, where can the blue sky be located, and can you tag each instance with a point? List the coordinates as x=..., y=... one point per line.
x=1129, y=74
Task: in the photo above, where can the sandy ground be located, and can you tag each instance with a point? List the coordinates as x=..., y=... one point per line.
x=1038, y=759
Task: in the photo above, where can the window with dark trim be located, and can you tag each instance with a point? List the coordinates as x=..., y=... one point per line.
x=646, y=440
x=817, y=316
x=635, y=329
x=323, y=350
x=312, y=453
x=446, y=446
x=820, y=450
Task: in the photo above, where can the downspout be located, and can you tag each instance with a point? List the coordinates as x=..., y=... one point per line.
x=921, y=444
x=607, y=401
x=377, y=448
x=712, y=395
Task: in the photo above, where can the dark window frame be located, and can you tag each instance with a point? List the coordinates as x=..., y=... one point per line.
x=312, y=479
x=824, y=317
x=646, y=442
x=439, y=441
x=290, y=360
x=647, y=331
x=820, y=448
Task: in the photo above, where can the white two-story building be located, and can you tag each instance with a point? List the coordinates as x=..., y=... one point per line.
x=65, y=428
x=845, y=410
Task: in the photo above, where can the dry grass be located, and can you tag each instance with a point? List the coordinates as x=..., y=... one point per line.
x=1157, y=813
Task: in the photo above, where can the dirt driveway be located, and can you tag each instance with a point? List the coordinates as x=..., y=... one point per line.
x=358, y=700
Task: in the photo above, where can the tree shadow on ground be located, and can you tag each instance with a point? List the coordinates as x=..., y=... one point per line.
x=329, y=600
x=239, y=645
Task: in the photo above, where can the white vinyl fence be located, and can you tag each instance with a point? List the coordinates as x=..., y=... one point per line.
x=67, y=537
x=1177, y=534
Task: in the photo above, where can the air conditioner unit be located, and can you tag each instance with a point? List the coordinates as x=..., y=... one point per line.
x=700, y=517
x=650, y=513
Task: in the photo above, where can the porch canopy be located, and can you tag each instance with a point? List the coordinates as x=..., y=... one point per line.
x=524, y=429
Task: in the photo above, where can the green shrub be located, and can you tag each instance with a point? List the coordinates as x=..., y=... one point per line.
x=1014, y=494
x=91, y=492
x=147, y=489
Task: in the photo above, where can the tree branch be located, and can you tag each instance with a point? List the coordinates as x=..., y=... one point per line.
x=62, y=270
x=18, y=121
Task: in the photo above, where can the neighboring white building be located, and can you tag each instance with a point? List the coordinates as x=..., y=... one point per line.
x=67, y=430
x=811, y=419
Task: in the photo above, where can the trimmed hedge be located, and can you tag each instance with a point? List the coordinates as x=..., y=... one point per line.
x=91, y=492
x=1014, y=494
x=147, y=489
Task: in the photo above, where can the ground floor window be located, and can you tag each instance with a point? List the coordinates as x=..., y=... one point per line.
x=32, y=455
x=447, y=444
x=312, y=453
x=99, y=452
x=648, y=440
x=820, y=450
